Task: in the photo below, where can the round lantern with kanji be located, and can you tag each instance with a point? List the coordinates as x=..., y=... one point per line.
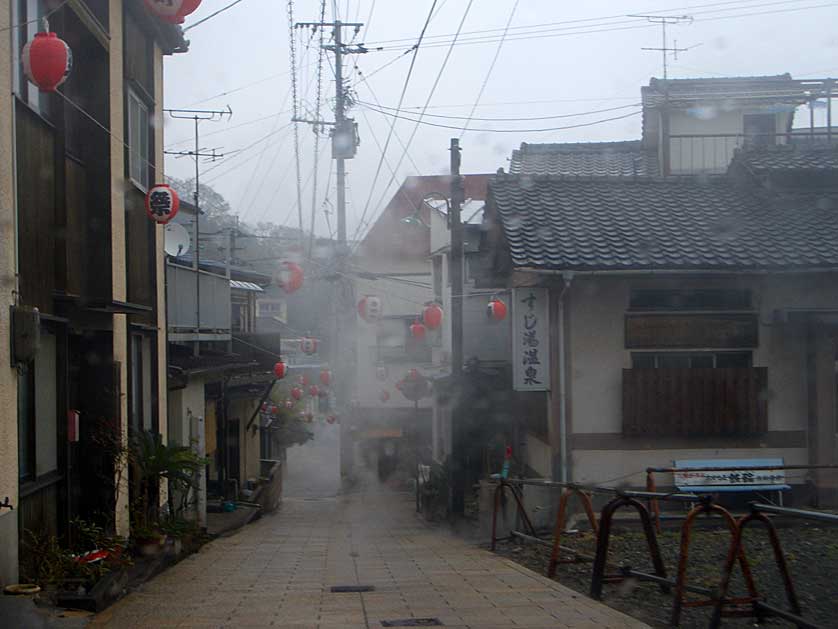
x=432, y=316
x=308, y=345
x=370, y=308
x=290, y=277
x=325, y=377
x=297, y=393
x=280, y=369
x=47, y=61
x=496, y=310
x=161, y=203
x=417, y=330
x=313, y=390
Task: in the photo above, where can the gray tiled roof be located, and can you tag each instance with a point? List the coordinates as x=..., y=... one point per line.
x=820, y=158
x=683, y=92
x=620, y=224
x=598, y=159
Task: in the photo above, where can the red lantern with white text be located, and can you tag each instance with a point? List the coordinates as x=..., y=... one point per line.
x=308, y=345
x=47, y=61
x=384, y=396
x=290, y=277
x=432, y=316
x=325, y=377
x=417, y=330
x=280, y=369
x=313, y=390
x=370, y=308
x=496, y=310
x=173, y=11
x=296, y=393
x=161, y=203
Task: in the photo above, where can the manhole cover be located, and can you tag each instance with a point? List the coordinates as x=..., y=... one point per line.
x=353, y=588
x=413, y=622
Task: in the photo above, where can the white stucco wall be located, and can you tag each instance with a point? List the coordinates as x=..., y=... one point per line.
x=8, y=376
x=597, y=308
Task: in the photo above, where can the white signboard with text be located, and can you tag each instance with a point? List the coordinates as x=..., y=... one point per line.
x=530, y=339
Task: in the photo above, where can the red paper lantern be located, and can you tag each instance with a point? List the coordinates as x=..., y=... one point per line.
x=370, y=308
x=161, y=203
x=384, y=396
x=496, y=310
x=432, y=316
x=331, y=419
x=47, y=61
x=308, y=345
x=302, y=380
x=274, y=410
x=325, y=377
x=280, y=369
x=265, y=407
x=290, y=277
x=173, y=11
x=417, y=330
x=313, y=390
x=296, y=393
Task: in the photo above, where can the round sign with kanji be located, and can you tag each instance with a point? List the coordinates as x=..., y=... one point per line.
x=161, y=203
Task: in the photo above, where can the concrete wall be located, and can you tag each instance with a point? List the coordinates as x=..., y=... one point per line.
x=8, y=376
x=597, y=355
x=183, y=405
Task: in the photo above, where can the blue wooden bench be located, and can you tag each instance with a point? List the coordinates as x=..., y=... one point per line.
x=743, y=475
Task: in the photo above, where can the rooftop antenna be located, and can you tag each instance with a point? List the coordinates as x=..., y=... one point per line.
x=665, y=20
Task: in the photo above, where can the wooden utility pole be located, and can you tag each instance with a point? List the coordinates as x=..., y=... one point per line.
x=457, y=481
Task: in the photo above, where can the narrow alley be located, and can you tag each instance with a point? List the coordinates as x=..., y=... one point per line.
x=280, y=571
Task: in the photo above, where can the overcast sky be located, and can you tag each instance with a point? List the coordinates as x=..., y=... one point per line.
x=241, y=58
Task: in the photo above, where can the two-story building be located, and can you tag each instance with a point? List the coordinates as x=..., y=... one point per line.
x=81, y=270
x=690, y=279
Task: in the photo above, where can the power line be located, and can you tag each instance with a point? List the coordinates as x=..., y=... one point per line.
x=236, y=126
x=212, y=15
x=392, y=126
x=317, y=100
x=491, y=67
x=293, y=62
x=484, y=130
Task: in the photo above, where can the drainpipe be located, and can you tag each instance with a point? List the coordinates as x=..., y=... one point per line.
x=568, y=278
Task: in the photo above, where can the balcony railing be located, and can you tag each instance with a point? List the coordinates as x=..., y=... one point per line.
x=711, y=153
x=695, y=402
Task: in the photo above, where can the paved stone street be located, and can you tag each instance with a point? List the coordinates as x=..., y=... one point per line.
x=278, y=572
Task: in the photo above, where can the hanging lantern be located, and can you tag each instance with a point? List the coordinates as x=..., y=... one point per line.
x=308, y=345
x=313, y=390
x=289, y=404
x=290, y=277
x=417, y=330
x=496, y=310
x=173, y=11
x=384, y=396
x=296, y=393
x=274, y=410
x=370, y=308
x=280, y=369
x=161, y=203
x=325, y=377
x=331, y=419
x=381, y=373
x=302, y=380
x=265, y=407
x=47, y=61
x=432, y=316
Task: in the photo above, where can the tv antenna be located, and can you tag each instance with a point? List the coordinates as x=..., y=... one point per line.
x=664, y=21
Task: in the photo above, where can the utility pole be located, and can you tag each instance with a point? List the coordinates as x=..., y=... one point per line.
x=197, y=115
x=457, y=497
x=344, y=132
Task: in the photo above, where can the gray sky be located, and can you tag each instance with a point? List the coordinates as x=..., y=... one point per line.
x=556, y=72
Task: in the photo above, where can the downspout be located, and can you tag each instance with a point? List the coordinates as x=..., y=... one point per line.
x=13, y=41
x=568, y=278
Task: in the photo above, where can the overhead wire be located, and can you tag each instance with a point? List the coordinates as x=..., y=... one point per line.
x=511, y=119
x=45, y=16
x=293, y=62
x=212, y=15
x=392, y=126
x=317, y=101
x=427, y=102
x=491, y=67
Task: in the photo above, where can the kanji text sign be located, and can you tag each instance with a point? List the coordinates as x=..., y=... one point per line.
x=530, y=339
x=730, y=477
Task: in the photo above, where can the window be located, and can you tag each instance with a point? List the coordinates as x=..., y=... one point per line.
x=700, y=299
x=140, y=399
x=759, y=129
x=38, y=412
x=138, y=144
x=273, y=308
x=690, y=360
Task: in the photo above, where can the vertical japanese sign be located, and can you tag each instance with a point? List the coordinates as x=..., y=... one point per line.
x=530, y=339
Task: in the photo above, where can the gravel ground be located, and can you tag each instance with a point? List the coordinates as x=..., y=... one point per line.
x=811, y=552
